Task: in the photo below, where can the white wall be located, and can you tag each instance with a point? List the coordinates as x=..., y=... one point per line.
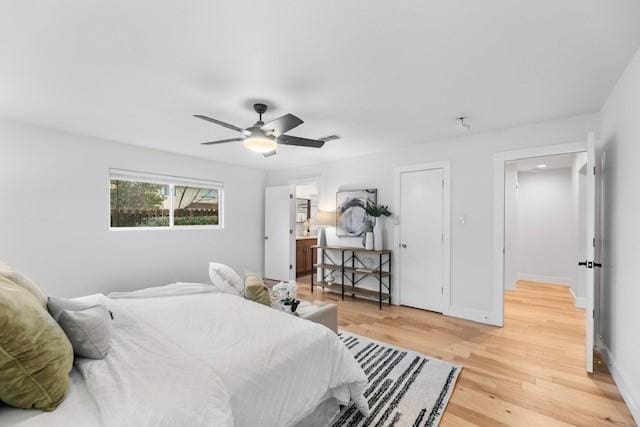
x=620, y=138
x=54, y=215
x=471, y=196
x=546, y=233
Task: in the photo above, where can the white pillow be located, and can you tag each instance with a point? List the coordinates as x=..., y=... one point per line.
x=87, y=326
x=225, y=279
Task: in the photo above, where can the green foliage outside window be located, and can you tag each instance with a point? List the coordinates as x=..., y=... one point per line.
x=185, y=220
x=136, y=195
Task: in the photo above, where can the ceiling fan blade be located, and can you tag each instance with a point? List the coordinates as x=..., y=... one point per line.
x=301, y=142
x=222, y=141
x=221, y=123
x=270, y=153
x=329, y=138
x=282, y=124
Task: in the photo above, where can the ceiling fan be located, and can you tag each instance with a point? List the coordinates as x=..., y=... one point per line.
x=264, y=137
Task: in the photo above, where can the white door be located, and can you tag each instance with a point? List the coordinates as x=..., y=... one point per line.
x=592, y=241
x=279, y=210
x=421, y=239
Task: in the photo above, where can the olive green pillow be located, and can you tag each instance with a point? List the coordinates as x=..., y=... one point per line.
x=35, y=354
x=21, y=280
x=256, y=290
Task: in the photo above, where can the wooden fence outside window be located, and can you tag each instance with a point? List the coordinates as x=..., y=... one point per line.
x=158, y=217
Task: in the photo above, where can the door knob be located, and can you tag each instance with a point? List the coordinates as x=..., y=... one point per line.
x=403, y=245
x=266, y=237
x=590, y=264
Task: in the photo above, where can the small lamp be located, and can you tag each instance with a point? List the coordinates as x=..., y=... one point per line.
x=324, y=219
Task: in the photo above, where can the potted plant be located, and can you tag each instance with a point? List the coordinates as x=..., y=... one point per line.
x=286, y=293
x=290, y=304
x=377, y=211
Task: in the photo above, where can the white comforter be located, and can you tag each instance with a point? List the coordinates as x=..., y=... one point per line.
x=259, y=366
x=146, y=380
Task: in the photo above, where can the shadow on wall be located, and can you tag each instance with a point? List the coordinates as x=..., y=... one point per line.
x=608, y=197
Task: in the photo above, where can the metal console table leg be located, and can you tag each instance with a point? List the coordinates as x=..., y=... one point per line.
x=342, y=271
x=314, y=271
x=380, y=280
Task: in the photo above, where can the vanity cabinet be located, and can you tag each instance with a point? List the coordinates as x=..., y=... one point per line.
x=304, y=262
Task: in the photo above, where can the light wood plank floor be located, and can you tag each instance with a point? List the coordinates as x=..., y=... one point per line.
x=529, y=373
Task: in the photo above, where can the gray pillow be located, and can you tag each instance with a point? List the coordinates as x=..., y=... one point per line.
x=88, y=326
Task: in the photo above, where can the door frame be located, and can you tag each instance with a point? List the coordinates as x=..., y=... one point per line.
x=445, y=165
x=499, y=159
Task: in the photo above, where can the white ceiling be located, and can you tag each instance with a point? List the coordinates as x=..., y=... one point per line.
x=557, y=161
x=306, y=191
x=381, y=74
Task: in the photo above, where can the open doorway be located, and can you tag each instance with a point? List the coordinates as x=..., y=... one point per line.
x=306, y=230
x=545, y=224
x=290, y=228
x=542, y=256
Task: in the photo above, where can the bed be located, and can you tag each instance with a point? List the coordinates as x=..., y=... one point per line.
x=186, y=354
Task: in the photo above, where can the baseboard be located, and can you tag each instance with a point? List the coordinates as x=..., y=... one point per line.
x=630, y=395
x=580, y=302
x=453, y=311
x=472, y=314
x=554, y=280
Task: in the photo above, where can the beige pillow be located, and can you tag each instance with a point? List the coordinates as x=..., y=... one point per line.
x=21, y=280
x=256, y=290
x=35, y=355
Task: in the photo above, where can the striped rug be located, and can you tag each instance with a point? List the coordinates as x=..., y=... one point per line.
x=405, y=388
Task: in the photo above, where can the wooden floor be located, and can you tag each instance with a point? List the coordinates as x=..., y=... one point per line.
x=529, y=373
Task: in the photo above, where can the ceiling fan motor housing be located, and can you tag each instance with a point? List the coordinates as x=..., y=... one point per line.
x=260, y=109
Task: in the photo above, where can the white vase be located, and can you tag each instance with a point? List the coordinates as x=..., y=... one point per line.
x=377, y=234
x=368, y=241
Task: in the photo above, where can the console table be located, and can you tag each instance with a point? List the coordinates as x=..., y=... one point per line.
x=353, y=270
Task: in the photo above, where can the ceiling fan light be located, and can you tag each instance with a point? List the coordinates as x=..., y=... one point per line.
x=462, y=124
x=260, y=144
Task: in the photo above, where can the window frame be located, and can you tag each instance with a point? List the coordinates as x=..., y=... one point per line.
x=172, y=182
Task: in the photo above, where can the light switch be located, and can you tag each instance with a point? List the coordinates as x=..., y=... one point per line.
x=461, y=218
